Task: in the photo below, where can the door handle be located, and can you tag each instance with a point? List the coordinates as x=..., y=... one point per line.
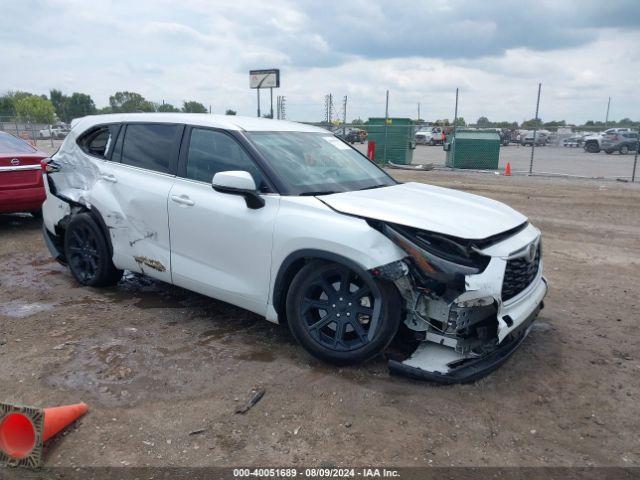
x=183, y=200
x=109, y=178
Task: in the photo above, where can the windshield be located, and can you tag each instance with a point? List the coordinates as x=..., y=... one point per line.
x=317, y=163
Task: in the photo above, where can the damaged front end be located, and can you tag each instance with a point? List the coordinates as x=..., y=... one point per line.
x=470, y=303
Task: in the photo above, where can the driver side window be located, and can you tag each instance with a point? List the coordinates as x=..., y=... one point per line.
x=211, y=152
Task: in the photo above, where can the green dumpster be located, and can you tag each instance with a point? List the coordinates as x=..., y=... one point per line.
x=394, y=139
x=473, y=149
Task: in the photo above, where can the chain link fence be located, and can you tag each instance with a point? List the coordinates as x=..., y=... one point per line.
x=600, y=150
x=41, y=135
x=604, y=149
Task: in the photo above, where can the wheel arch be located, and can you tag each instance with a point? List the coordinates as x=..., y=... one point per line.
x=294, y=262
x=76, y=209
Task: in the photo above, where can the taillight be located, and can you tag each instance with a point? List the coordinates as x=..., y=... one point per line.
x=49, y=166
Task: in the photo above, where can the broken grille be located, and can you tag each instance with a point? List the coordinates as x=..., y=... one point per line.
x=519, y=274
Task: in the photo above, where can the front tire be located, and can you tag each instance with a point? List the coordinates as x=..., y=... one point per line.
x=340, y=316
x=87, y=253
x=592, y=147
x=624, y=150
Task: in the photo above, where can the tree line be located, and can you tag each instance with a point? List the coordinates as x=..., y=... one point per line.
x=484, y=122
x=60, y=107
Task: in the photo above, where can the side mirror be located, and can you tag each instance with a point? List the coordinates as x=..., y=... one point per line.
x=238, y=182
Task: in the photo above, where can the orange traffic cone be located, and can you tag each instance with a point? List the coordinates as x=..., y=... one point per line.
x=23, y=430
x=507, y=171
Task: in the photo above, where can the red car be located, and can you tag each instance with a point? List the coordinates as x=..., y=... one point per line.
x=21, y=187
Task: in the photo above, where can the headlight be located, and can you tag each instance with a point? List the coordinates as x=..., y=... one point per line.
x=445, y=259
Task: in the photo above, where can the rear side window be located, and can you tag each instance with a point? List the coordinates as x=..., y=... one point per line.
x=98, y=141
x=151, y=146
x=211, y=152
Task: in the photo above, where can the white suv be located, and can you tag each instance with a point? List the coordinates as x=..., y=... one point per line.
x=290, y=222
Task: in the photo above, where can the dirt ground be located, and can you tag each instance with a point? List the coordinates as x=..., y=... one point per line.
x=163, y=369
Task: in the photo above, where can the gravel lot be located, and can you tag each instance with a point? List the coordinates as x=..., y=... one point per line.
x=157, y=363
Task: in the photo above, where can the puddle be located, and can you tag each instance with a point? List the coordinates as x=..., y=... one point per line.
x=18, y=309
x=21, y=270
x=541, y=327
x=133, y=365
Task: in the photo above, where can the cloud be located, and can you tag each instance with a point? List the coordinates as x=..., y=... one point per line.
x=495, y=52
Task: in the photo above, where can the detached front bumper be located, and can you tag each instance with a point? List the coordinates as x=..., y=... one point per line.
x=446, y=358
x=452, y=367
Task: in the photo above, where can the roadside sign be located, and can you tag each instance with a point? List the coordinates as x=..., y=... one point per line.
x=264, y=78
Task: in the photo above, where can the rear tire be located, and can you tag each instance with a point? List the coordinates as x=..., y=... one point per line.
x=339, y=316
x=87, y=253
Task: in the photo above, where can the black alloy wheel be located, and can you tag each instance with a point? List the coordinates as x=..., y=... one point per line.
x=87, y=253
x=339, y=315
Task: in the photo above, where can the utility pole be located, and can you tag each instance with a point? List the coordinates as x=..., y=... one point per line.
x=455, y=113
x=271, y=95
x=455, y=127
x=535, y=130
x=386, y=108
x=283, y=108
x=386, y=126
x=258, y=90
x=418, y=112
x=606, y=120
x=328, y=108
x=344, y=115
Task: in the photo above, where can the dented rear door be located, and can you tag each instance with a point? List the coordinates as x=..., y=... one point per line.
x=133, y=190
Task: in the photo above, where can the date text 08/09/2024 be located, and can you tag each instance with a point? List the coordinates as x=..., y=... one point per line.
x=315, y=473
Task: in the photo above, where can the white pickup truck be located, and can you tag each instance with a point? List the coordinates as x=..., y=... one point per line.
x=430, y=136
x=55, y=131
x=592, y=143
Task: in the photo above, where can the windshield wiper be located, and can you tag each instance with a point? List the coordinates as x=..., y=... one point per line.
x=313, y=194
x=374, y=186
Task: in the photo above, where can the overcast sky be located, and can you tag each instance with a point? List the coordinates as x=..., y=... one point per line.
x=496, y=52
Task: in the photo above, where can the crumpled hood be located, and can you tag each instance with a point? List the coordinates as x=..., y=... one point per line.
x=435, y=209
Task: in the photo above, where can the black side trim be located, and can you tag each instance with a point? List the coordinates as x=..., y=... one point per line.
x=472, y=370
x=53, y=244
